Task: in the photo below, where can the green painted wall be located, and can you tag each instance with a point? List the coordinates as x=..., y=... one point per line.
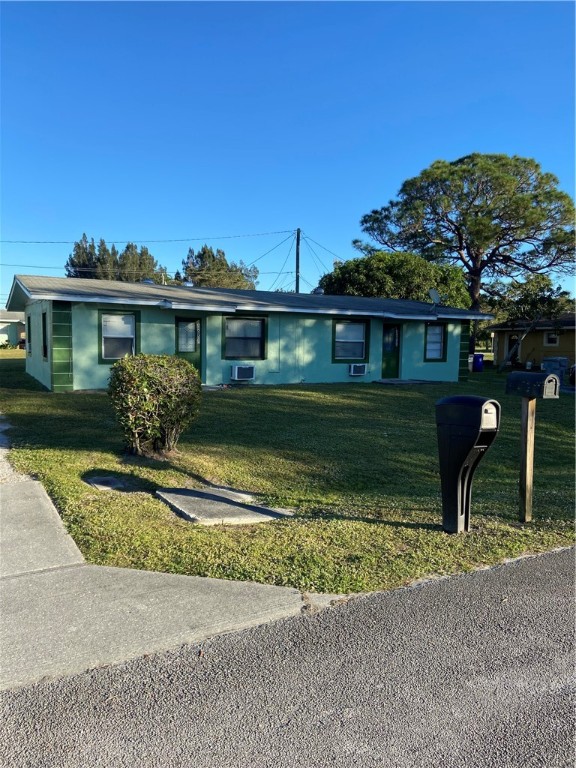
x=298, y=349
x=157, y=336
x=412, y=365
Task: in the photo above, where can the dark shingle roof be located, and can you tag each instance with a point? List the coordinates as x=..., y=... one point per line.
x=28, y=287
x=566, y=322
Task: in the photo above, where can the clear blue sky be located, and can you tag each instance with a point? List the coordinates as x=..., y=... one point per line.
x=150, y=121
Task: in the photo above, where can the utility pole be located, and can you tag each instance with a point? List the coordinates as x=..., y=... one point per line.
x=298, y=260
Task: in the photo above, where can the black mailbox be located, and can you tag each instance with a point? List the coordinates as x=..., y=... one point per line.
x=542, y=385
x=467, y=426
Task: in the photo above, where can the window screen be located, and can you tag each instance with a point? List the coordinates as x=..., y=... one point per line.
x=188, y=333
x=244, y=338
x=435, y=342
x=118, y=336
x=350, y=341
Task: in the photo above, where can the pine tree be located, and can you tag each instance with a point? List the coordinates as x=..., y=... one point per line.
x=207, y=269
x=82, y=262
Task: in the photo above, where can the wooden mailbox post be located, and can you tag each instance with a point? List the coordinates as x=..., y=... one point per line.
x=530, y=386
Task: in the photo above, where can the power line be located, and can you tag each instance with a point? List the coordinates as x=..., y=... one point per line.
x=326, y=249
x=141, y=242
x=284, y=264
x=317, y=259
x=272, y=249
x=222, y=270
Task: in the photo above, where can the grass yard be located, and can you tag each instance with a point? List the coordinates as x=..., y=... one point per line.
x=358, y=464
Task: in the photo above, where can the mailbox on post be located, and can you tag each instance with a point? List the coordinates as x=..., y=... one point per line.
x=541, y=385
x=530, y=387
x=467, y=426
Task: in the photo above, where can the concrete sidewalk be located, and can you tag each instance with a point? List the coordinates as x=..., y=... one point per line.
x=61, y=616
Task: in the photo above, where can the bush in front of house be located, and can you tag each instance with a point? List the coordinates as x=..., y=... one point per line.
x=155, y=397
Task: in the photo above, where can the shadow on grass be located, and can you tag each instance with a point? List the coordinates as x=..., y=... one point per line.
x=371, y=520
x=109, y=480
x=106, y=480
x=320, y=442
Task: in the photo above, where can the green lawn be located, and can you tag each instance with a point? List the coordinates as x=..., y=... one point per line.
x=358, y=463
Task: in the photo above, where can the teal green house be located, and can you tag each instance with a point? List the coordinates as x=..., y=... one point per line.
x=76, y=329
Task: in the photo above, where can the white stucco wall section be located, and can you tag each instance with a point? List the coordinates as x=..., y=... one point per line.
x=36, y=365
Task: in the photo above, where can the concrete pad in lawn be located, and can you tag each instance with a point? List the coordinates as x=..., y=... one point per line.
x=218, y=506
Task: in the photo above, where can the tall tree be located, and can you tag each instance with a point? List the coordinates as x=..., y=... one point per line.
x=209, y=269
x=148, y=267
x=525, y=303
x=103, y=263
x=106, y=262
x=82, y=262
x=396, y=276
x=496, y=216
x=129, y=264
x=534, y=298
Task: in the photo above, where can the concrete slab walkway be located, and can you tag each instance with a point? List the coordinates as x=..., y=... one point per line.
x=218, y=506
x=61, y=616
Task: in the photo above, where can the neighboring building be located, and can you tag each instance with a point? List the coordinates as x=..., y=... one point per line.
x=77, y=328
x=548, y=338
x=11, y=327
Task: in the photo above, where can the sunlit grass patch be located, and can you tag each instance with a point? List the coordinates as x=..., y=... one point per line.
x=357, y=464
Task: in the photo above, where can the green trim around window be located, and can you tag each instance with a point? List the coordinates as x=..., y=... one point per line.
x=444, y=339
x=29, y=335
x=351, y=321
x=263, y=353
x=134, y=313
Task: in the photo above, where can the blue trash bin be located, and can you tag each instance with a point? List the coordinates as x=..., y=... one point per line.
x=478, y=363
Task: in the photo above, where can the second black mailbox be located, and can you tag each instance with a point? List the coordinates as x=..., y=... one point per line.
x=532, y=385
x=467, y=426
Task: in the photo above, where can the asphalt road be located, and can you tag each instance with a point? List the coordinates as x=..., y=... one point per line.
x=472, y=671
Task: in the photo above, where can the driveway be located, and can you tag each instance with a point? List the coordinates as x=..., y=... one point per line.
x=472, y=671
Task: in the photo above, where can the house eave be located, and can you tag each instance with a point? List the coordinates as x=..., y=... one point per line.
x=12, y=298
x=228, y=302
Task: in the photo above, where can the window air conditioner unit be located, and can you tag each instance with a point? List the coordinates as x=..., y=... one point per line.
x=242, y=373
x=357, y=369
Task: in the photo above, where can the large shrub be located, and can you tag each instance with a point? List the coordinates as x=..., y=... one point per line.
x=155, y=397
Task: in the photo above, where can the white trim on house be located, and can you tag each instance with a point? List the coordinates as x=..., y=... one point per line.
x=225, y=301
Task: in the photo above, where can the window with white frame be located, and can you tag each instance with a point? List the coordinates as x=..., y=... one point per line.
x=350, y=340
x=551, y=339
x=118, y=335
x=435, y=344
x=244, y=338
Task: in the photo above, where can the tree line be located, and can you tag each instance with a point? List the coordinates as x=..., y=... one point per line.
x=485, y=231
x=204, y=268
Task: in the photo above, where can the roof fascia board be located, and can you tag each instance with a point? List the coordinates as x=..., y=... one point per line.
x=240, y=307
x=17, y=284
x=82, y=299
x=362, y=313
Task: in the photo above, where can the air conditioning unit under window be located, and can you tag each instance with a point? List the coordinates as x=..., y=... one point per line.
x=242, y=373
x=357, y=369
